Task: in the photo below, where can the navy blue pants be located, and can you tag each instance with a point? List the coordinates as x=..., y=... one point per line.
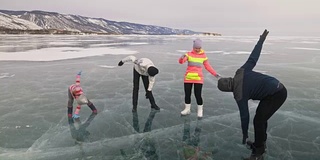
x=266, y=108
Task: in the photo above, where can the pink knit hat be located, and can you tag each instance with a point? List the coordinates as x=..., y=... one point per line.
x=197, y=43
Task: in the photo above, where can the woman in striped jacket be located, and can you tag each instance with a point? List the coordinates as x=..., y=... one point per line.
x=194, y=76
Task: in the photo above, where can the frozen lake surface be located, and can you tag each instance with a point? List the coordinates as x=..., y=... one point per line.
x=36, y=71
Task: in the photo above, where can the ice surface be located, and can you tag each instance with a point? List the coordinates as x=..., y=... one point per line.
x=6, y=75
x=36, y=71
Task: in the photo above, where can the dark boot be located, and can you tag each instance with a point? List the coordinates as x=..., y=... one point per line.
x=93, y=108
x=134, y=109
x=254, y=157
x=258, y=150
x=257, y=153
x=250, y=145
x=154, y=106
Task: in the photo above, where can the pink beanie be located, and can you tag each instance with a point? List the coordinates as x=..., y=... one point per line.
x=197, y=43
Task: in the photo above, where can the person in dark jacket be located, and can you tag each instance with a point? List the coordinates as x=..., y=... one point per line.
x=248, y=84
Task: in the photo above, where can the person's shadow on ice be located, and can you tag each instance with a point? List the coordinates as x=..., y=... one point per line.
x=147, y=145
x=79, y=130
x=190, y=148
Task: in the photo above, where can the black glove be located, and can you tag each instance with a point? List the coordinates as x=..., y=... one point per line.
x=244, y=139
x=148, y=93
x=264, y=35
x=120, y=63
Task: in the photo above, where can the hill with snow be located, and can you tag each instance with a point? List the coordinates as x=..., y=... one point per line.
x=41, y=20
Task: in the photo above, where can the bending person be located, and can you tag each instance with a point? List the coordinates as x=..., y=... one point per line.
x=75, y=92
x=248, y=84
x=145, y=69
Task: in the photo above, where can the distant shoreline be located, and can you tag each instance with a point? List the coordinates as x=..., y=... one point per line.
x=68, y=32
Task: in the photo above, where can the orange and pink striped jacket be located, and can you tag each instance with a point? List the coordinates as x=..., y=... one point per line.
x=194, y=71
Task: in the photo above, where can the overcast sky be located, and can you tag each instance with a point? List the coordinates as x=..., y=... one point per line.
x=228, y=17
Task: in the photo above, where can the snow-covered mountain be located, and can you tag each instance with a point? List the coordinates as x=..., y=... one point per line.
x=7, y=21
x=34, y=20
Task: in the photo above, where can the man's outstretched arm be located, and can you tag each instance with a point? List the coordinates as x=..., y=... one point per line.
x=127, y=59
x=255, y=54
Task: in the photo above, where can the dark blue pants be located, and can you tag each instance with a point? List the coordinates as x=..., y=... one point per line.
x=266, y=108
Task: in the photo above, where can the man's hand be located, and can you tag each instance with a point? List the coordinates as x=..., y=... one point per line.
x=264, y=35
x=120, y=63
x=148, y=93
x=218, y=76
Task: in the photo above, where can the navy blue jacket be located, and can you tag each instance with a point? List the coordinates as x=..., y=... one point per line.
x=249, y=84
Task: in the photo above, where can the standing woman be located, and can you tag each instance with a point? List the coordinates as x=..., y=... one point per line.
x=194, y=76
